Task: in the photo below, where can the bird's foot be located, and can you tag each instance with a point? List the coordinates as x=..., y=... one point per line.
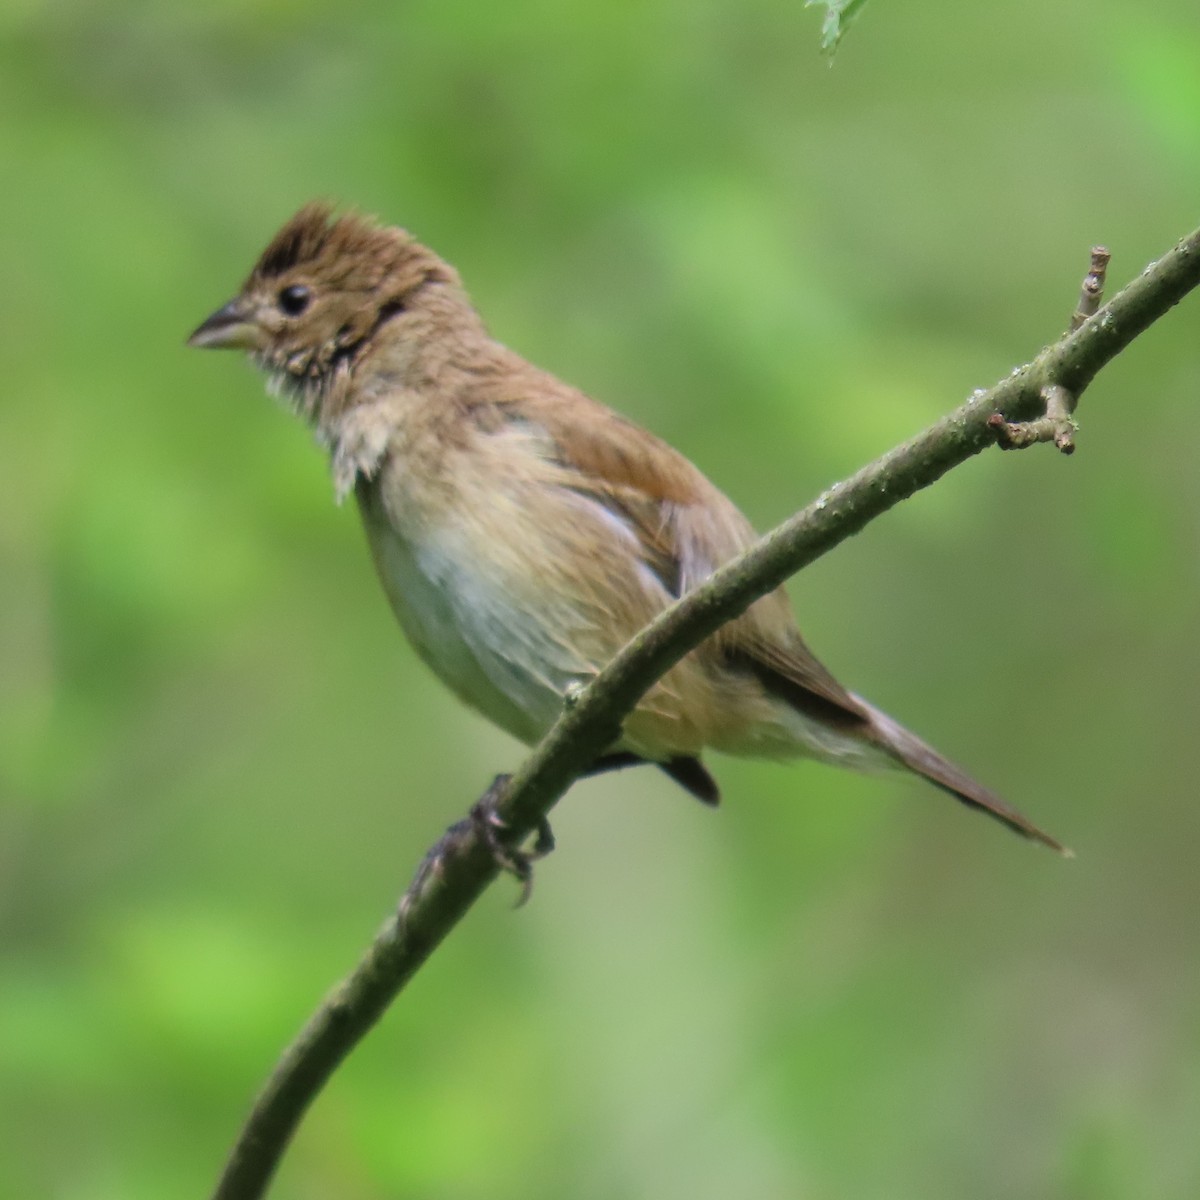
x=497, y=835
x=485, y=822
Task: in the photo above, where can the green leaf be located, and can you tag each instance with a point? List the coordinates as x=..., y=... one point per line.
x=838, y=15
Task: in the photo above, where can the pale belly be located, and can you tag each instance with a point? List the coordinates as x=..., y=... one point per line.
x=477, y=637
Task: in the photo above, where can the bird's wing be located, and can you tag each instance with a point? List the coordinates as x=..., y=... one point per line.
x=686, y=527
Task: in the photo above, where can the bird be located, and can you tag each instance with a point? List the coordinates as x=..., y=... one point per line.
x=524, y=532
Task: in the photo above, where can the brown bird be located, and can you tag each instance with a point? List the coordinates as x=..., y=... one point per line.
x=524, y=532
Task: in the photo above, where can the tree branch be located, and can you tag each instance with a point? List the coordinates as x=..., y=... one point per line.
x=1043, y=393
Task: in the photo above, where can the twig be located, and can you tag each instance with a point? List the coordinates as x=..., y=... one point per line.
x=1056, y=424
x=1092, y=291
x=458, y=870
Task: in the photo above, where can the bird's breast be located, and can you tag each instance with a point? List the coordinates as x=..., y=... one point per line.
x=489, y=647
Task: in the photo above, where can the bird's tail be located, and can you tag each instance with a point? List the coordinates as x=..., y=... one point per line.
x=908, y=749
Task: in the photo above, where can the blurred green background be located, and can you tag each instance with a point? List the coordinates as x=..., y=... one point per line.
x=219, y=762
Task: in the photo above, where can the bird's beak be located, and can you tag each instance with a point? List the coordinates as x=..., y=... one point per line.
x=230, y=328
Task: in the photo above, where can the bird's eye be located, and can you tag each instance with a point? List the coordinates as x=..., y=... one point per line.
x=294, y=299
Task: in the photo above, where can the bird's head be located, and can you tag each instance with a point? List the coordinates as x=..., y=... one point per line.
x=318, y=297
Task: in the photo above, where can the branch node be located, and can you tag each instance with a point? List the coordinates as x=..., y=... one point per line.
x=1057, y=426
x=1092, y=291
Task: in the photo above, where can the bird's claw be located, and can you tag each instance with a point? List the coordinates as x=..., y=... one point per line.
x=497, y=835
